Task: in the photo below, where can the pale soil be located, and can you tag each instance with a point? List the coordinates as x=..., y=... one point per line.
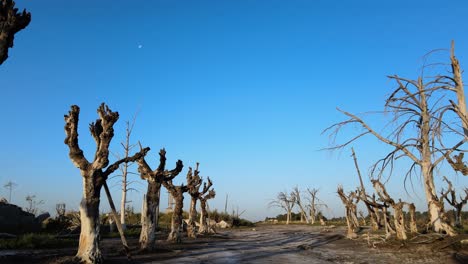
x=272, y=244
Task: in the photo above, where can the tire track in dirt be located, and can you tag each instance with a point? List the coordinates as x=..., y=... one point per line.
x=256, y=246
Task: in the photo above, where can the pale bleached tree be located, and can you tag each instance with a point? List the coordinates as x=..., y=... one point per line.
x=125, y=170
x=418, y=130
x=296, y=193
x=314, y=204
x=206, y=194
x=350, y=202
x=94, y=174
x=150, y=210
x=286, y=202
x=194, y=183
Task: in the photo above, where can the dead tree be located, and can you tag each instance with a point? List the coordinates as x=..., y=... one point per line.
x=350, y=201
x=452, y=200
x=286, y=202
x=296, y=193
x=10, y=23
x=205, y=195
x=177, y=192
x=94, y=174
x=150, y=210
x=312, y=204
x=193, y=183
x=371, y=207
x=398, y=216
x=124, y=168
x=418, y=131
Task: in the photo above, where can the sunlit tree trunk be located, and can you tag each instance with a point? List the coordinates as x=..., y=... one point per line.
x=88, y=248
x=176, y=221
x=204, y=221
x=191, y=226
x=194, y=182
x=412, y=214
x=150, y=210
x=94, y=176
x=150, y=215
x=351, y=214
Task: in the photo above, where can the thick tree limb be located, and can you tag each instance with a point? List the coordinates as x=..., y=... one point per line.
x=71, y=130
x=10, y=23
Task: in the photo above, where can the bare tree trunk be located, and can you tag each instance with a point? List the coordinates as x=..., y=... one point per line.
x=437, y=217
x=191, y=226
x=123, y=201
x=351, y=214
x=204, y=225
x=204, y=229
x=389, y=230
x=412, y=212
x=150, y=211
x=313, y=214
x=399, y=221
x=177, y=219
x=88, y=248
x=194, y=182
x=149, y=216
x=375, y=223
x=297, y=197
x=93, y=175
x=10, y=23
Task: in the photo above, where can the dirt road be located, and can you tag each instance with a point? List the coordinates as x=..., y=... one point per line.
x=263, y=244
x=287, y=244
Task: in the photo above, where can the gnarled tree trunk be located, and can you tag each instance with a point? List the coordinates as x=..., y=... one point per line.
x=150, y=210
x=204, y=225
x=176, y=221
x=193, y=183
x=94, y=176
x=351, y=214
x=150, y=216
x=88, y=247
x=10, y=23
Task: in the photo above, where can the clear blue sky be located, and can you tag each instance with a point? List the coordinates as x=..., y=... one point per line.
x=243, y=87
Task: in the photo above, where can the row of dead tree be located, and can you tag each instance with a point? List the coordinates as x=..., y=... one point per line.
x=400, y=224
x=96, y=173
x=309, y=208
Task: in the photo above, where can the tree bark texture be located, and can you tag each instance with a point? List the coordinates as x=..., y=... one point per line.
x=150, y=210
x=177, y=219
x=194, y=182
x=204, y=220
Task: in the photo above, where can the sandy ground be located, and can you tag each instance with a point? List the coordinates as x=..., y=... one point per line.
x=267, y=244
